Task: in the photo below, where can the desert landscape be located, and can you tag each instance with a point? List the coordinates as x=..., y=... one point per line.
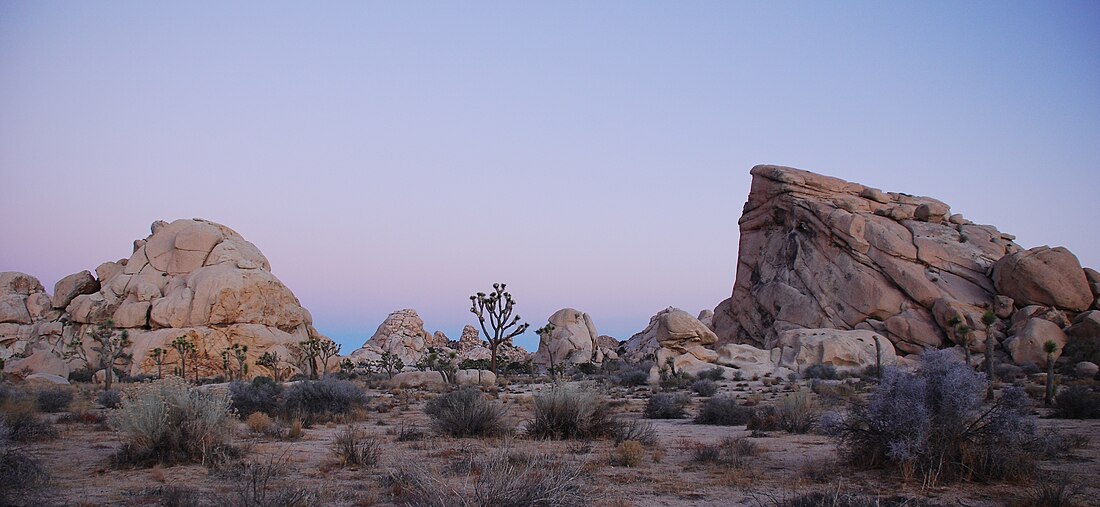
x=877, y=349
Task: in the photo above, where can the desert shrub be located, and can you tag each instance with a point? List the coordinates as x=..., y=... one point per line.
x=934, y=423
x=54, y=399
x=728, y=452
x=500, y=479
x=466, y=413
x=21, y=474
x=410, y=433
x=562, y=412
x=262, y=484
x=1083, y=348
x=110, y=398
x=839, y=497
x=1050, y=490
x=636, y=430
x=722, y=411
x=674, y=381
x=353, y=448
x=666, y=406
x=319, y=400
x=167, y=422
x=631, y=378
x=630, y=453
x=81, y=375
x=1077, y=402
x=586, y=368
x=260, y=395
x=797, y=413
x=705, y=387
x=821, y=371
x=21, y=422
x=714, y=374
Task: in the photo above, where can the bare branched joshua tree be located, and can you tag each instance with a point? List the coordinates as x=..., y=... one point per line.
x=494, y=313
x=110, y=350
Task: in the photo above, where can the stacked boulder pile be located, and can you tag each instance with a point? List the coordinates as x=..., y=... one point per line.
x=194, y=279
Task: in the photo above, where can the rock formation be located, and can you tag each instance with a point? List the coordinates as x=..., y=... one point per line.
x=573, y=340
x=403, y=335
x=190, y=278
x=820, y=253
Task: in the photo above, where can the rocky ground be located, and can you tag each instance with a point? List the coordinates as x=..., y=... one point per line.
x=785, y=466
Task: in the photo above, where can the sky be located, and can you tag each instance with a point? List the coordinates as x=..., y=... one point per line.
x=593, y=155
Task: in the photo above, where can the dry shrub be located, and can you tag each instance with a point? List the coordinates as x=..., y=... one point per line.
x=259, y=422
x=934, y=423
x=500, y=479
x=636, y=430
x=54, y=399
x=729, y=452
x=797, y=413
x=1077, y=402
x=318, y=401
x=264, y=484
x=353, y=448
x=21, y=474
x=666, y=406
x=562, y=412
x=722, y=411
x=705, y=387
x=167, y=422
x=21, y=422
x=410, y=433
x=466, y=413
x=630, y=453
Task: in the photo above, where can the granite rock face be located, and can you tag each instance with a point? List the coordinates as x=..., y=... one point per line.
x=818, y=252
x=190, y=278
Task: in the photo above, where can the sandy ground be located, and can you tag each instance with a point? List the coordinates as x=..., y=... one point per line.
x=787, y=466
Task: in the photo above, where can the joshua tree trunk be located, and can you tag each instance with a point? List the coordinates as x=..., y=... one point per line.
x=1049, y=399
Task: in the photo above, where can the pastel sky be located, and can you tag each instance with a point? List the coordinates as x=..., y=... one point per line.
x=593, y=155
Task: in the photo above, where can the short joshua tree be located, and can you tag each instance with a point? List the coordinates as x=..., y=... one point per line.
x=109, y=348
x=1050, y=347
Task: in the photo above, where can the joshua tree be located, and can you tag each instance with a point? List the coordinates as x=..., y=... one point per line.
x=544, y=338
x=962, y=335
x=158, y=355
x=988, y=318
x=346, y=366
x=1050, y=348
x=327, y=349
x=271, y=361
x=239, y=353
x=310, y=350
x=109, y=347
x=185, y=349
x=390, y=364
x=434, y=360
x=496, y=307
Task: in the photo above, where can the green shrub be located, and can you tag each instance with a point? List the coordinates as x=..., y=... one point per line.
x=466, y=413
x=666, y=406
x=54, y=399
x=632, y=378
x=167, y=422
x=722, y=411
x=562, y=412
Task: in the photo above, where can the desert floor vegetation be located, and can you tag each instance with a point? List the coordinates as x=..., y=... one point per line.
x=779, y=442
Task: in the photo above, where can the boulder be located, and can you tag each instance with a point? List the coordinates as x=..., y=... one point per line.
x=42, y=359
x=1003, y=306
x=1026, y=347
x=672, y=329
x=402, y=334
x=45, y=380
x=1086, y=326
x=422, y=379
x=749, y=360
x=848, y=351
x=572, y=340
x=1044, y=276
x=475, y=378
x=1085, y=369
x=72, y=286
x=14, y=282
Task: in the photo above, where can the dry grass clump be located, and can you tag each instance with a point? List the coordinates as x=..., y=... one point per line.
x=629, y=453
x=320, y=401
x=500, y=479
x=20, y=420
x=562, y=412
x=353, y=448
x=1077, y=402
x=636, y=430
x=797, y=413
x=467, y=413
x=729, y=452
x=167, y=422
x=704, y=387
x=54, y=399
x=262, y=483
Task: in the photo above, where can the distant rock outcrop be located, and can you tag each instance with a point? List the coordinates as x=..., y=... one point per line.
x=821, y=253
x=573, y=340
x=190, y=278
x=403, y=335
